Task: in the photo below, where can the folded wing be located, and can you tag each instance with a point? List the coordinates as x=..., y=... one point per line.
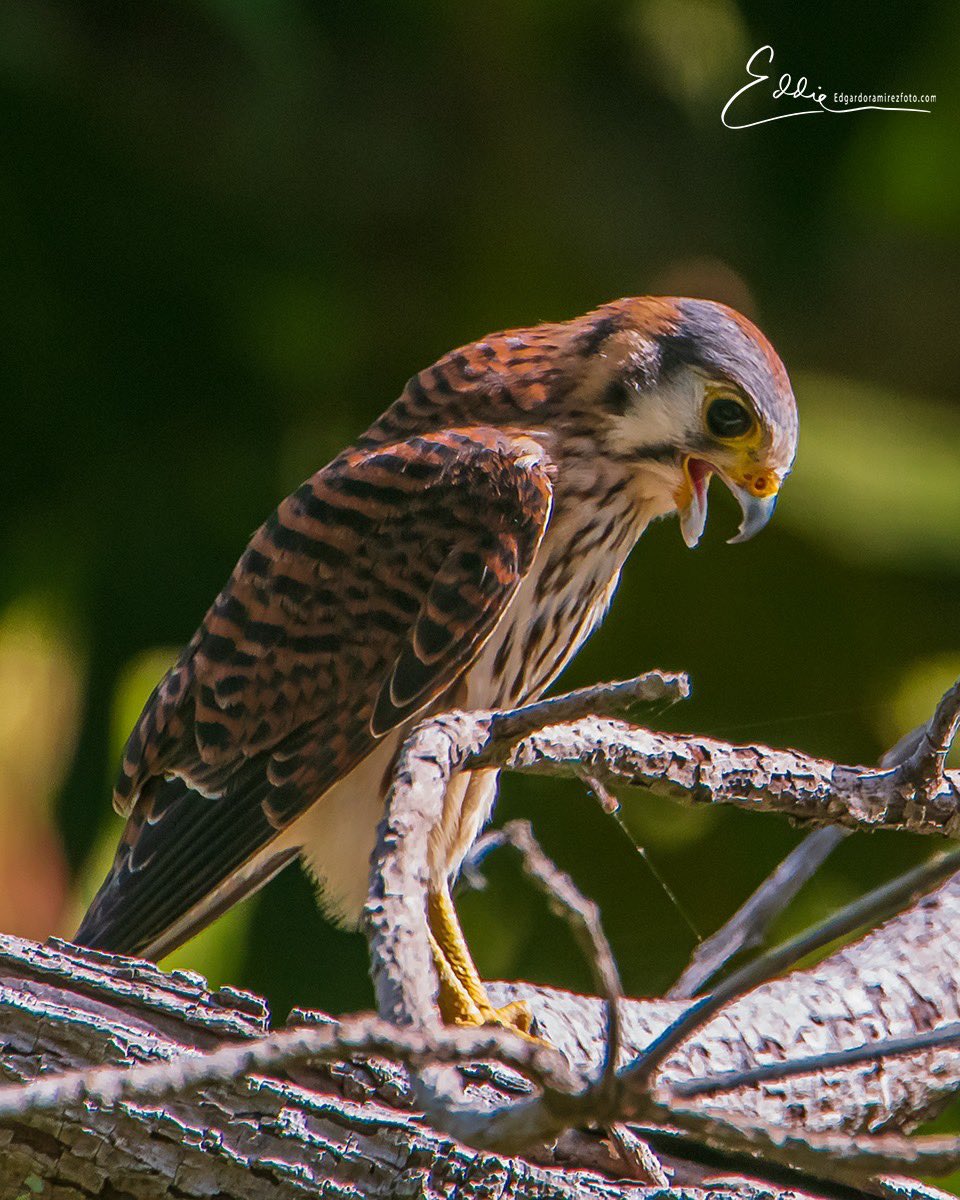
x=356, y=606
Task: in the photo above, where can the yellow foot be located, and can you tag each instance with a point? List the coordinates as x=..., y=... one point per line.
x=462, y=998
x=516, y=1016
x=460, y=1007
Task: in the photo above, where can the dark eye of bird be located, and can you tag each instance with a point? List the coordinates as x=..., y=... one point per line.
x=728, y=418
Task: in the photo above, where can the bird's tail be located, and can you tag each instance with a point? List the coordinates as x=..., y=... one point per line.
x=184, y=859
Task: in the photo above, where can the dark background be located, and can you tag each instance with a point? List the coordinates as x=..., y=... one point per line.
x=229, y=232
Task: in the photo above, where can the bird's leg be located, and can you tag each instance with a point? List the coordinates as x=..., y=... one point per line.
x=453, y=999
x=462, y=998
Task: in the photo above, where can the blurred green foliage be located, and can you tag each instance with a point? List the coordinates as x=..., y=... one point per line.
x=231, y=229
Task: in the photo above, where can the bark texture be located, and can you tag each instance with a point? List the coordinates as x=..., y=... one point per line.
x=348, y=1129
x=123, y=1081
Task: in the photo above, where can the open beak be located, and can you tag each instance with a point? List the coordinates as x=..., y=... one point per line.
x=691, y=498
x=691, y=501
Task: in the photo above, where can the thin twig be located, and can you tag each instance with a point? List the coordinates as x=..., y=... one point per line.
x=603, y=700
x=749, y=924
x=931, y=1039
x=867, y=910
x=583, y=917
x=285, y=1050
x=840, y=1156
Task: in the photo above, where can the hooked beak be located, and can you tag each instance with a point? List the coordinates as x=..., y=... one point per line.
x=757, y=511
x=691, y=498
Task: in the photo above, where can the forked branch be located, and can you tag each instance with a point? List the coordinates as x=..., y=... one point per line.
x=780, y=1069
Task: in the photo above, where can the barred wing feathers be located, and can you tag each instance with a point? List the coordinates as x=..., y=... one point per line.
x=358, y=604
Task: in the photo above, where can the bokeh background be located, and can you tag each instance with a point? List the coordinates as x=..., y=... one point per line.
x=229, y=232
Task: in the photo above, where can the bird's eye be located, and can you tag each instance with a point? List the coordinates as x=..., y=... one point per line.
x=727, y=418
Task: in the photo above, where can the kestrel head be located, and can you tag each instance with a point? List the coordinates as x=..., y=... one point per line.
x=689, y=389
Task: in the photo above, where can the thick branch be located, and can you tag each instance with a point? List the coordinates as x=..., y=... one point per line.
x=282, y=1128
x=288, y=1088
x=756, y=778
x=269, y=1129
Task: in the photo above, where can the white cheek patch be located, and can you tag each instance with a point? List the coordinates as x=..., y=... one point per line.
x=662, y=416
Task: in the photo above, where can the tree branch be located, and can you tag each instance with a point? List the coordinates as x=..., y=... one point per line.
x=908, y=887
x=290, y=1123
x=749, y=924
x=755, y=776
x=896, y=983
x=920, y=755
x=946, y=1035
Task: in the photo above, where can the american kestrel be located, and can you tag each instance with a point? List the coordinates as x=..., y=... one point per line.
x=455, y=556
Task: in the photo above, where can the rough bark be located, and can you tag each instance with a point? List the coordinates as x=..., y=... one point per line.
x=567, y=736
x=230, y=1108
x=349, y=1127
x=344, y=1130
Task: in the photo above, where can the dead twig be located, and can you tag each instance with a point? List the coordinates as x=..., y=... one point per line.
x=842, y=1157
x=749, y=924
x=602, y=700
x=583, y=917
x=709, y=1085
x=285, y=1051
x=892, y=896
x=920, y=753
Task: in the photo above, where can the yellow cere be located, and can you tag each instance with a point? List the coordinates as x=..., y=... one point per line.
x=761, y=483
